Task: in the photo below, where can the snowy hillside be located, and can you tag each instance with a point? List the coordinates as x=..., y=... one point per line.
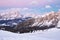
x=52, y=34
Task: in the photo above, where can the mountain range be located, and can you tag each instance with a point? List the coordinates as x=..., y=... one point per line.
x=11, y=17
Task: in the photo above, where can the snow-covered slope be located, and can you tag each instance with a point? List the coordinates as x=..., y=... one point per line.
x=52, y=34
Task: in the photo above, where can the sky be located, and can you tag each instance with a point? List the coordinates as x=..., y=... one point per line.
x=36, y=6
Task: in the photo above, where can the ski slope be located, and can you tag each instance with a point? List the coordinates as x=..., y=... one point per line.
x=51, y=34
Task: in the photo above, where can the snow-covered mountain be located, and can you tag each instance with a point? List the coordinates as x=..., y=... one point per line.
x=10, y=14
x=10, y=17
x=48, y=19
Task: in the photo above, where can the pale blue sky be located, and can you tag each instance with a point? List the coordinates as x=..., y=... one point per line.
x=34, y=6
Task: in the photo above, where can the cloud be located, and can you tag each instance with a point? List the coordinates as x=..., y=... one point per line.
x=25, y=9
x=50, y=0
x=34, y=2
x=58, y=9
x=48, y=6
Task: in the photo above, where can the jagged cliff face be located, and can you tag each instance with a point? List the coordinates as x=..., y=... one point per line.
x=48, y=19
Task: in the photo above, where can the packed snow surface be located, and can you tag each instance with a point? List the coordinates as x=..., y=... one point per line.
x=51, y=34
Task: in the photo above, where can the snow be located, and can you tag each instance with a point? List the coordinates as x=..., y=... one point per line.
x=31, y=15
x=58, y=24
x=46, y=23
x=35, y=24
x=51, y=34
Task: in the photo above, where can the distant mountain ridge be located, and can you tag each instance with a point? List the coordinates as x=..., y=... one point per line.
x=13, y=15
x=10, y=14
